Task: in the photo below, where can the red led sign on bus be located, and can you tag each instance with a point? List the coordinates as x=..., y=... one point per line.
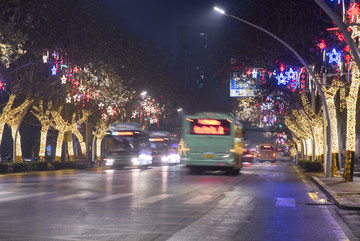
x=209, y=130
x=209, y=122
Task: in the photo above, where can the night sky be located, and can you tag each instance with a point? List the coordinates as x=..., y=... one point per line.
x=157, y=20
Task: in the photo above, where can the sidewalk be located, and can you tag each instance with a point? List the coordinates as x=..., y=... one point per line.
x=345, y=195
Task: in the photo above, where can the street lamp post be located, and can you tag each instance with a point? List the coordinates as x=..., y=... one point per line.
x=311, y=72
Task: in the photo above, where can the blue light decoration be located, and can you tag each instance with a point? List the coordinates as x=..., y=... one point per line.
x=334, y=56
x=53, y=70
x=282, y=80
x=291, y=75
x=291, y=80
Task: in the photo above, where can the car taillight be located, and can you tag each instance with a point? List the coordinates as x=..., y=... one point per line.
x=274, y=155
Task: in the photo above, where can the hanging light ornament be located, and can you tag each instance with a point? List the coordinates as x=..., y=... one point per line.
x=334, y=56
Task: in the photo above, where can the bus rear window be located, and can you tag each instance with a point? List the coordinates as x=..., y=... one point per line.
x=210, y=127
x=267, y=148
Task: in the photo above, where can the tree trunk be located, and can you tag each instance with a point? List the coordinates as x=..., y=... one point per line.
x=43, y=137
x=334, y=171
x=59, y=143
x=348, y=174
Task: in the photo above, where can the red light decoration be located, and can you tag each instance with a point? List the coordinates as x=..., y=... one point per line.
x=340, y=36
x=209, y=130
x=76, y=70
x=353, y=11
x=282, y=68
x=249, y=72
x=211, y=122
x=322, y=45
x=347, y=57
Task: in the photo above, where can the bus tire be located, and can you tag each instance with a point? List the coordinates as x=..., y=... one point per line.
x=194, y=170
x=232, y=171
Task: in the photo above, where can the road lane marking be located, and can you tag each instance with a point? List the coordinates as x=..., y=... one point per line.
x=200, y=199
x=285, y=202
x=155, y=198
x=13, y=198
x=67, y=197
x=5, y=193
x=112, y=197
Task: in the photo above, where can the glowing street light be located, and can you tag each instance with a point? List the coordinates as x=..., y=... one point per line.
x=311, y=72
x=219, y=10
x=143, y=94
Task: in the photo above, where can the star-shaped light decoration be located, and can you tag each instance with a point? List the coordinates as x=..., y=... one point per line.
x=110, y=110
x=254, y=73
x=45, y=59
x=101, y=105
x=63, y=79
x=334, y=56
x=68, y=99
x=53, y=70
x=355, y=30
x=77, y=97
x=134, y=114
x=291, y=74
x=282, y=80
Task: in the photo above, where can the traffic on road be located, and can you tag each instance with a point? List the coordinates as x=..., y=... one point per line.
x=265, y=202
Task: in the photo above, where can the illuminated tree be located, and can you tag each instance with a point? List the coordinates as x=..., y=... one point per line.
x=13, y=116
x=44, y=117
x=351, y=101
x=68, y=127
x=300, y=125
x=100, y=133
x=317, y=126
x=330, y=93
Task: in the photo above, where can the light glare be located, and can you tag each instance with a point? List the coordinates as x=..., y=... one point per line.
x=219, y=10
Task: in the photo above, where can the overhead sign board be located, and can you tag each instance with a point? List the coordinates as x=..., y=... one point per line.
x=242, y=86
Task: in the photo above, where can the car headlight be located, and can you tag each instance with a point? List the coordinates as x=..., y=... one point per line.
x=164, y=159
x=109, y=162
x=135, y=161
x=174, y=158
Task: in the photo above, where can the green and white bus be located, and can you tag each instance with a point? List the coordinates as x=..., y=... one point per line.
x=214, y=141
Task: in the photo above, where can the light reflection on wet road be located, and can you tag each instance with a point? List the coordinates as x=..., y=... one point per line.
x=266, y=202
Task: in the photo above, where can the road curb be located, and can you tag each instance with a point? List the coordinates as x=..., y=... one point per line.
x=340, y=202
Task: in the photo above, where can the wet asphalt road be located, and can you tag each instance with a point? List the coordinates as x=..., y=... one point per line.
x=265, y=202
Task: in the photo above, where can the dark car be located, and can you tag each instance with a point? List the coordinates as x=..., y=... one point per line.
x=248, y=156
